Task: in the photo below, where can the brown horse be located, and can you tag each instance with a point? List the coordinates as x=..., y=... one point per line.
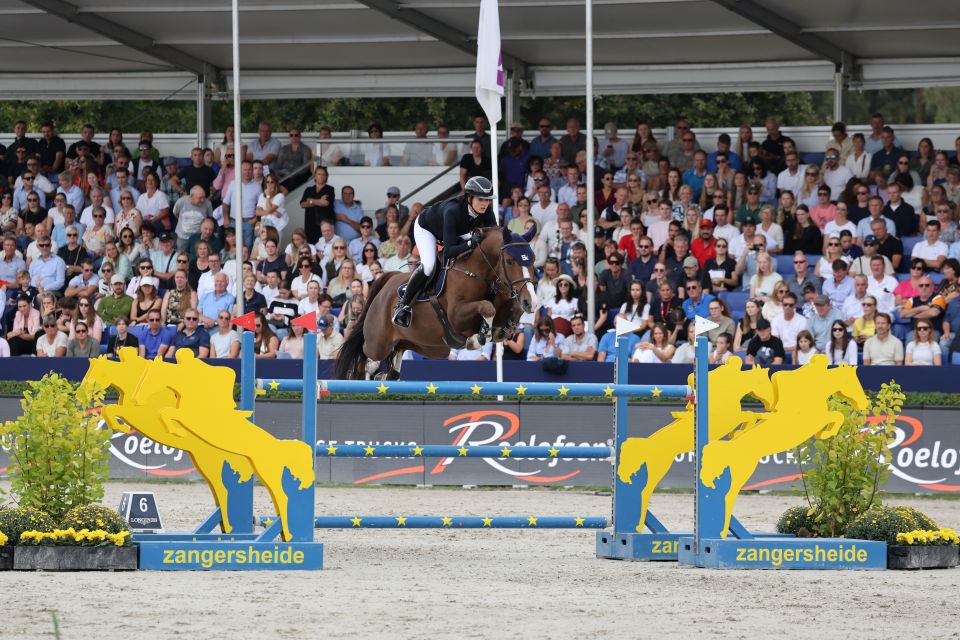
x=486, y=291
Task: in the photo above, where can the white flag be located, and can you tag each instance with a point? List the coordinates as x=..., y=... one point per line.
x=489, y=61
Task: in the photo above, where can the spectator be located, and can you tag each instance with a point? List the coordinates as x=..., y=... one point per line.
x=318, y=205
x=841, y=223
x=789, y=324
x=146, y=301
x=253, y=300
x=265, y=342
x=475, y=163
x=178, y=299
x=310, y=302
x=805, y=349
x=801, y=234
x=801, y=275
x=205, y=283
x=858, y=161
x=282, y=309
x=722, y=349
x=657, y=350
x=904, y=216
x=840, y=286
x=292, y=343
x=472, y=355
x=192, y=336
x=819, y=324
x=697, y=303
x=445, y=151
x=923, y=349
x=579, y=345
x=926, y=305
x=909, y=288
x=765, y=349
x=722, y=269
x=887, y=245
x=686, y=352
x=720, y=314
x=541, y=144
x=329, y=339
x=865, y=326
x=83, y=345
x=86, y=314
x=564, y=304
x=883, y=348
x=351, y=312
x=122, y=338
x=47, y=271
x=294, y=163
x=823, y=212
x=870, y=250
x=931, y=249
x=546, y=343
x=667, y=309
x=853, y=305
x=635, y=309
x=249, y=195
x=271, y=205
x=22, y=338
x=52, y=343
x=225, y=341
x=215, y=301
x=116, y=305
x=84, y=284
x=339, y=287
x=841, y=349
x=765, y=280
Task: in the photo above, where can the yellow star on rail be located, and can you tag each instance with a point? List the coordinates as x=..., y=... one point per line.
x=578, y=521
x=382, y=388
x=447, y=522
x=488, y=522
x=656, y=391
x=432, y=388
x=418, y=450
x=401, y=521
x=521, y=390
x=532, y=521
x=506, y=452
x=553, y=451
x=462, y=451
x=476, y=389
x=608, y=391
x=368, y=450
x=274, y=385
x=563, y=390
x=356, y=521
x=331, y=450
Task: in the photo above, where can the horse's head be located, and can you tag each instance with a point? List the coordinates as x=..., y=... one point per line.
x=124, y=376
x=760, y=385
x=509, y=264
x=848, y=386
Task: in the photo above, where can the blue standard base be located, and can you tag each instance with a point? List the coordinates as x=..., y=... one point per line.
x=226, y=555
x=639, y=546
x=785, y=553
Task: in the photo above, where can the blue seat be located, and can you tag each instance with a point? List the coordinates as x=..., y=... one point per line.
x=955, y=358
x=936, y=277
x=738, y=315
x=908, y=245
x=736, y=300
x=785, y=264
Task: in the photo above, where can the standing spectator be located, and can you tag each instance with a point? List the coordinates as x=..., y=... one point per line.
x=250, y=193
x=318, y=205
x=883, y=348
x=819, y=324
x=191, y=210
x=271, y=205
x=765, y=349
x=294, y=163
x=265, y=148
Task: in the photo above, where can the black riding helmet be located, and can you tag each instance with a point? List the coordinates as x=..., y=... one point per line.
x=478, y=187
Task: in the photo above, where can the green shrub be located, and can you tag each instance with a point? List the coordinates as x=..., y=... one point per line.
x=794, y=519
x=15, y=520
x=884, y=523
x=58, y=456
x=94, y=517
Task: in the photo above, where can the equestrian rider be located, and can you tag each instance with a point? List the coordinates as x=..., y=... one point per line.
x=452, y=220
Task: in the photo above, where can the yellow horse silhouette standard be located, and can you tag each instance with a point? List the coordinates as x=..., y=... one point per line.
x=190, y=405
x=799, y=412
x=728, y=385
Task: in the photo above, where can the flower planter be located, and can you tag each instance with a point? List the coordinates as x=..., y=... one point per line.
x=6, y=557
x=922, y=556
x=73, y=558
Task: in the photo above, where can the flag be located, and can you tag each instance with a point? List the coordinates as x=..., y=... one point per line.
x=489, y=61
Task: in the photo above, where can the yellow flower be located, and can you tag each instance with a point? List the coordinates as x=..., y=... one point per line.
x=3, y=538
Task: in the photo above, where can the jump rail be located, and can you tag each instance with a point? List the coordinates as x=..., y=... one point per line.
x=453, y=451
x=404, y=387
x=459, y=522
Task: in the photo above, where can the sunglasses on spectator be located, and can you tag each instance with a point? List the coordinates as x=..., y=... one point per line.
x=922, y=328
x=924, y=286
x=153, y=319
x=99, y=215
x=789, y=305
x=869, y=304
x=721, y=161
x=44, y=245
x=902, y=162
x=49, y=326
x=27, y=178
x=916, y=267
x=229, y=155
x=191, y=318
x=71, y=235
x=863, y=193
x=838, y=329
x=182, y=261
x=812, y=173
x=33, y=199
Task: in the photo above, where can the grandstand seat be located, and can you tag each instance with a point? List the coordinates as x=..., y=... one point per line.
x=908, y=245
x=736, y=300
x=936, y=277
x=785, y=264
x=738, y=315
x=955, y=358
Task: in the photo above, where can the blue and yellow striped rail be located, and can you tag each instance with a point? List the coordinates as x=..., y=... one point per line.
x=455, y=451
x=461, y=388
x=458, y=522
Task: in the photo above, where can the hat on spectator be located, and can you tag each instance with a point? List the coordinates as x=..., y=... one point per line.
x=821, y=299
x=117, y=279
x=169, y=160
x=564, y=277
x=599, y=232
x=870, y=239
x=393, y=191
x=754, y=188
x=762, y=324
x=516, y=125
x=706, y=223
x=690, y=261
x=325, y=322
x=150, y=280
x=166, y=236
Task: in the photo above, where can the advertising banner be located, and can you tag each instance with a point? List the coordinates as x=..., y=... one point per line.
x=926, y=448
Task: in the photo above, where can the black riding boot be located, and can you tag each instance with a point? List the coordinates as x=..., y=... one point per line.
x=403, y=311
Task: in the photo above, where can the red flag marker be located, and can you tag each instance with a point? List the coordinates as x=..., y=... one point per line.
x=246, y=321
x=307, y=321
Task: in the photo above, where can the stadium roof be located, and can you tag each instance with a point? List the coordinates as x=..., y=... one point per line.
x=322, y=48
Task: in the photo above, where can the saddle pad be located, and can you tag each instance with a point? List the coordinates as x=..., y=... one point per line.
x=433, y=288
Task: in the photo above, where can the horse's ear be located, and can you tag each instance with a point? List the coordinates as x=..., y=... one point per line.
x=529, y=233
x=507, y=234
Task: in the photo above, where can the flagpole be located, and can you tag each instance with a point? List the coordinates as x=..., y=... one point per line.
x=237, y=160
x=591, y=170
x=495, y=179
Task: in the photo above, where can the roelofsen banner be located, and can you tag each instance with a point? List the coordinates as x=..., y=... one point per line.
x=926, y=449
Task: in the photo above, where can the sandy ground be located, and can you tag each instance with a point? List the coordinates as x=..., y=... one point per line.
x=482, y=584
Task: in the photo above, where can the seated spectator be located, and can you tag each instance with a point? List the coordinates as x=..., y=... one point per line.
x=265, y=342
x=22, y=338
x=122, y=337
x=117, y=304
x=686, y=352
x=252, y=299
x=98, y=233
x=635, y=309
x=722, y=349
x=299, y=286
x=841, y=349
x=546, y=342
x=865, y=326
x=484, y=353
x=85, y=284
x=926, y=305
x=720, y=314
x=840, y=286
x=801, y=234
x=178, y=299
x=292, y=344
x=765, y=348
x=192, y=336
x=47, y=271
x=155, y=341
x=883, y=348
x=853, y=306
x=329, y=339
x=870, y=250
x=764, y=282
x=52, y=343
x=350, y=314
x=564, y=304
x=887, y=244
x=146, y=301
x=788, y=325
x=338, y=287
x=607, y=349
x=931, y=250
x=282, y=309
x=225, y=341
x=83, y=345
x=805, y=348
x=697, y=303
x=657, y=350
x=579, y=345
x=773, y=308
x=820, y=322
x=215, y=301
x=923, y=349
x=87, y=315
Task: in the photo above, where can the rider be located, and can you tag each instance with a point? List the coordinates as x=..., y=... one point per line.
x=452, y=220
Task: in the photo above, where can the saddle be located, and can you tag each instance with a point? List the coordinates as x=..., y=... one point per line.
x=434, y=288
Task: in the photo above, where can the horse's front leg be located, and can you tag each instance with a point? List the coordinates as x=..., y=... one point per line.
x=474, y=319
x=111, y=414
x=833, y=426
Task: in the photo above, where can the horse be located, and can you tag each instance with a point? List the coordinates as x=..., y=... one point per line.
x=800, y=412
x=728, y=385
x=486, y=290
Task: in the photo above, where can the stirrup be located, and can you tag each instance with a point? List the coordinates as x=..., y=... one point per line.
x=402, y=315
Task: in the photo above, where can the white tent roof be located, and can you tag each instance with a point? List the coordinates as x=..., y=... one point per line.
x=317, y=48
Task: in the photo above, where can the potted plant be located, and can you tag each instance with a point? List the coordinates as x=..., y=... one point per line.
x=72, y=550
x=925, y=549
x=13, y=522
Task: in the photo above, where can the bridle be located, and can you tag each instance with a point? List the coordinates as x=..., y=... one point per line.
x=501, y=281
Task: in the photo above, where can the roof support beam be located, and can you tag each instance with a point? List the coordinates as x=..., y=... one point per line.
x=125, y=36
x=778, y=25
x=439, y=30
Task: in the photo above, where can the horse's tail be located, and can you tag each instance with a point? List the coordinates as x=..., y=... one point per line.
x=351, y=357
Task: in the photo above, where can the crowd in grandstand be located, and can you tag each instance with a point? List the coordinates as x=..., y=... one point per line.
x=850, y=249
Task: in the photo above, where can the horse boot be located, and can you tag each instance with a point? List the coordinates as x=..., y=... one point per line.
x=403, y=311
